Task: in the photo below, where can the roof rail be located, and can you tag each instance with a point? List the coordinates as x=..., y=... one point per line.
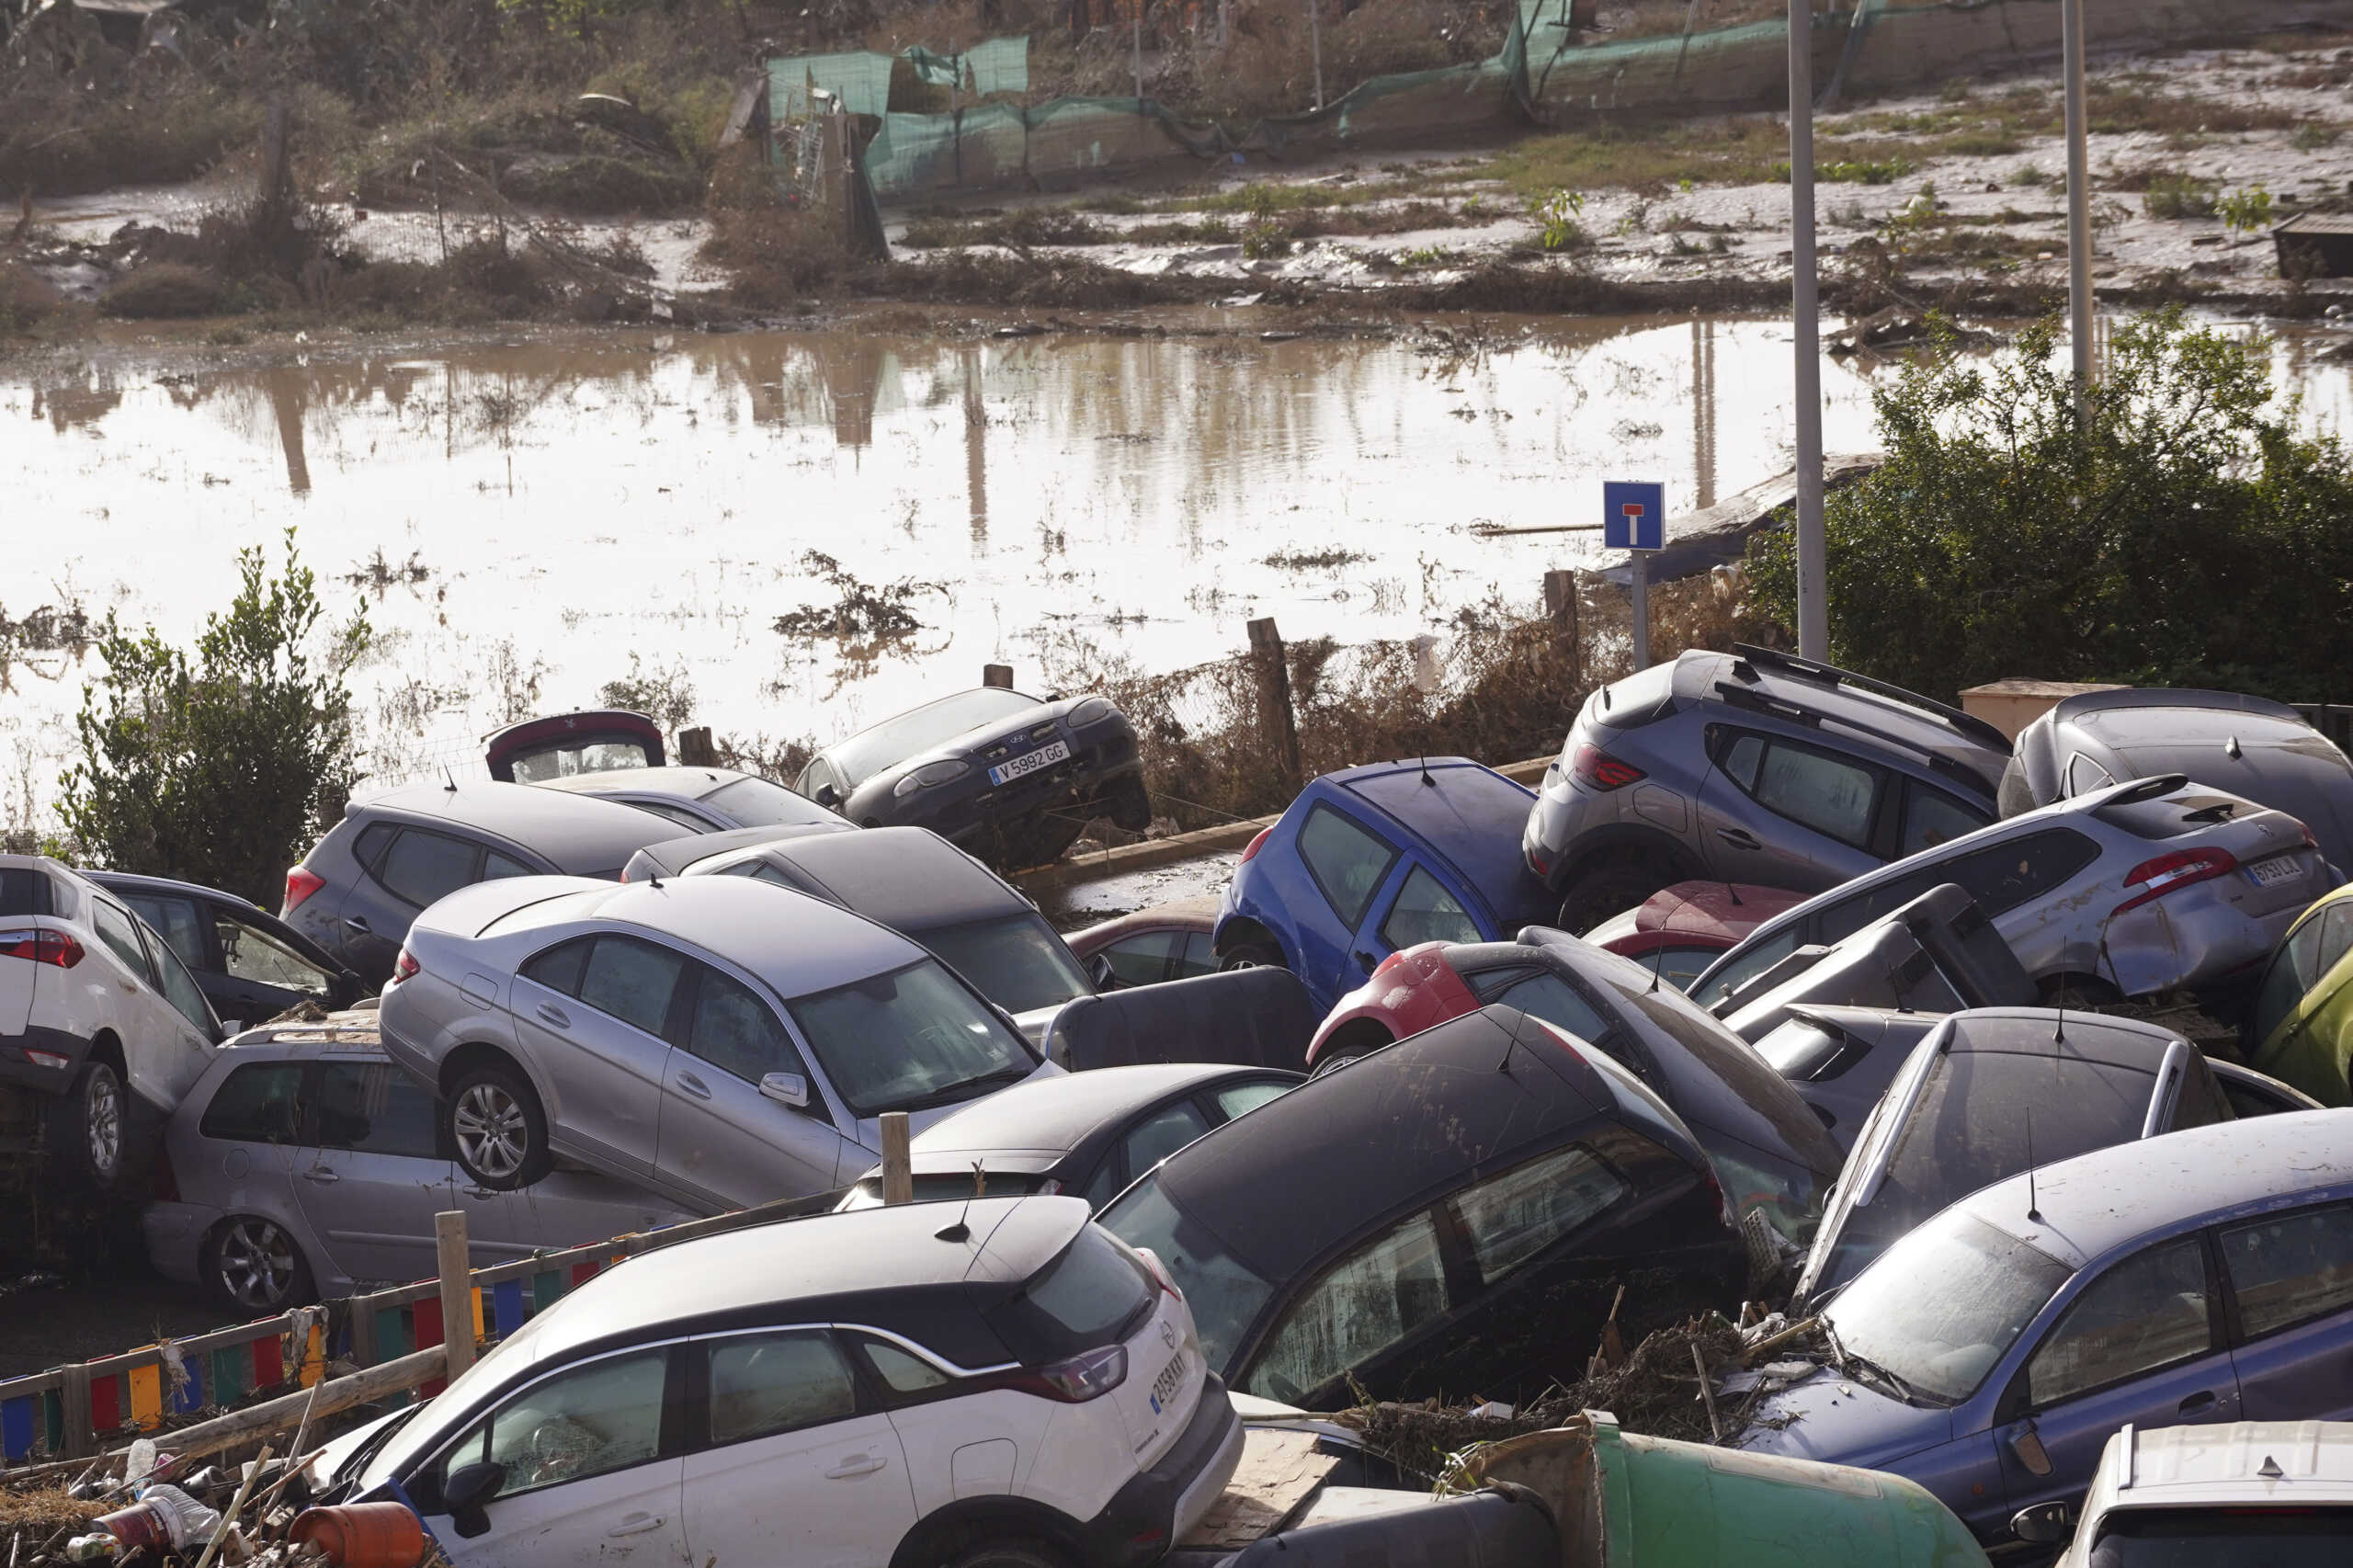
x=1968, y=725
x=1799, y=713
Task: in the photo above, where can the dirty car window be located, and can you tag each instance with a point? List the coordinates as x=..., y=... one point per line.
x=909, y=1038
x=1365, y=1304
x=1223, y=1291
x=1945, y=1304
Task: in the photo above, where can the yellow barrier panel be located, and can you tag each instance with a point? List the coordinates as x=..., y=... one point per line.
x=146, y=1395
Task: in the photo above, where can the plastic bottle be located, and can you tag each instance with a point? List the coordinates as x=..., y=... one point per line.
x=97, y=1547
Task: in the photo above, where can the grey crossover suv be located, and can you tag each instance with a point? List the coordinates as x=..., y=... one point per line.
x=1751, y=767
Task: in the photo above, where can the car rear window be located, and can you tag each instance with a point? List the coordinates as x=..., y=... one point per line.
x=1642, y=696
x=1093, y=1294
x=2300, y=1537
x=25, y=891
x=2172, y=816
x=756, y=802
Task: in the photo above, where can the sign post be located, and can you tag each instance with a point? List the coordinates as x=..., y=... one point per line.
x=1633, y=517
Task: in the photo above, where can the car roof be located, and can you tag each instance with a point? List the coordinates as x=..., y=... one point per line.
x=766, y=1271
x=910, y=879
x=131, y=881
x=2102, y=1200
x=1061, y=1112
x=2079, y=1037
x=1916, y=726
x=2167, y=710
x=2277, y=1464
x=686, y=783
x=1197, y=914
x=578, y=834
x=1720, y=911
x=1302, y=1174
x=1470, y=815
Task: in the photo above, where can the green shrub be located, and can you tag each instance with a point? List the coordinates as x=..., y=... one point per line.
x=2175, y=530
x=2178, y=196
x=2243, y=212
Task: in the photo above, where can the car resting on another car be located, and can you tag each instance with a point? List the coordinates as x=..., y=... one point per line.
x=702, y=800
x=1681, y=929
x=2300, y=1026
x=250, y=964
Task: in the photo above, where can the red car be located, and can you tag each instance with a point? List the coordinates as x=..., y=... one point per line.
x=1683, y=928
x=1167, y=941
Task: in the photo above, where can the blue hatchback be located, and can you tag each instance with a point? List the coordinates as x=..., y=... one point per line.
x=2202, y=1277
x=1371, y=859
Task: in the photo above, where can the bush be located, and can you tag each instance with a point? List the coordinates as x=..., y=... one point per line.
x=161, y=290
x=2178, y=196
x=2175, y=529
x=221, y=769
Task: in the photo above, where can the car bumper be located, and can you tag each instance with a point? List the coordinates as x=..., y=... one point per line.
x=1151, y=1513
x=43, y=1059
x=175, y=1234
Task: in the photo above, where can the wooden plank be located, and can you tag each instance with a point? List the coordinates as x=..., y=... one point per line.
x=146, y=1394
x=19, y=1418
x=74, y=1410
x=508, y=1298
x=314, y=1353
x=106, y=1403
x=269, y=1361
x=1278, y=1473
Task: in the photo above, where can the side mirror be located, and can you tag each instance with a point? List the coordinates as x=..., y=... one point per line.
x=2045, y=1523
x=230, y=1029
x=787, y=1090
x=2028, y=1445
x=1098, y=970
x=469, y=1488
x=827, y=796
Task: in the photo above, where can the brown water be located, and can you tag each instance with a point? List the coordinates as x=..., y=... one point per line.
x=526, y=519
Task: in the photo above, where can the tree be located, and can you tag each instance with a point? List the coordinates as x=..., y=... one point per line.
x=222, y=768
x=2170, y=528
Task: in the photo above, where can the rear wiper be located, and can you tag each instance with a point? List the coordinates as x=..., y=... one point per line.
x=2220, y=810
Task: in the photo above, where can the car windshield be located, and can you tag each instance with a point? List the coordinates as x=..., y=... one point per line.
x=448, y=1411
x=1016, y=960
x=909, y=1039
x=761, y=802
x=2303, y=1537
x=1944, y=1304
x=1224, y=1293
x=869, y=752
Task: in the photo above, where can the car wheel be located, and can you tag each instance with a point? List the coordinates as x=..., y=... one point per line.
x=1333, y=1064
x=494, y=1122
x=90, y=1127
x=254, y=1265
x=1611, y=888
x=1130, y=805
x=1007, y=1553
x=1251, y=955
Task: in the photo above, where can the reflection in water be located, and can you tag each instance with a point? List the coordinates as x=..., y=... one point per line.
x=575, y=502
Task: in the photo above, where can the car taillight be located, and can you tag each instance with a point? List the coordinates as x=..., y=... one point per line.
x=1257, y=844
x=2161, y=876
x=403, y=967
x=1090, y=1374
x=300, y=883
x=41, y=947
x=1596, y=770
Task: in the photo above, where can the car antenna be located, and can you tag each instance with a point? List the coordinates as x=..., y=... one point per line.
x=1658, y=958
x=961, y=1231
x=451, y=787
x=1424, y=764
x=1732, y=891
x=2034, y=1210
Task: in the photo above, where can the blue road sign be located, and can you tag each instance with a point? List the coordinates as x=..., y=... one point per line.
x=1633, y=515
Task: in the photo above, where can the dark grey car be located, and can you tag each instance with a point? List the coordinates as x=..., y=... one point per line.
x=356, y=891
x=250, y=964
x=701, y=799
x=2251, y=747
x=1011, y=778
x=1840, y=1060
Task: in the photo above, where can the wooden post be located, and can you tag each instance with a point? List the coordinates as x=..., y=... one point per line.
x=1275, y=719
x=456, y=1289
x=75, y=1396
x=1561, y=609
x=695, y=748
x=898, y=1167
x=363, y=1339
x=273, y=154
x=1000, y=676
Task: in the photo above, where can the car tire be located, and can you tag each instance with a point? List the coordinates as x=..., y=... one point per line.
x=1251, y=955
x=495, y=1127
x=1130, y=805
x=1333, y=1064
x=1006, y=1552
x=253, y=1264
x=93, y=1130
x=1611, y=888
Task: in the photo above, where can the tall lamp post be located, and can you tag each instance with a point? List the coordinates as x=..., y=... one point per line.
x=1813, y=607
x=2079, y=196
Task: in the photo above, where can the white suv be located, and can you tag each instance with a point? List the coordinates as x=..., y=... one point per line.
x=994, y=1384
x=98, y=1018
x=2275, y=1492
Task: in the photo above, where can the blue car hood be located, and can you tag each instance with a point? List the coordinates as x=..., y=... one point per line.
x=1839, y=1421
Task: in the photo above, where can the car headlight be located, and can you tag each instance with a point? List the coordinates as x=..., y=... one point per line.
x=932, y=773
x=1093, y=710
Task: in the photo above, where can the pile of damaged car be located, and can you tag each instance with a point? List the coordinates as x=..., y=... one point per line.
x=1799, y=1130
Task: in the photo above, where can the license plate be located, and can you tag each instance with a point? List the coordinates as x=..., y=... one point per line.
x=1164, y=1387
x=2278, y=869
x=1044, y=756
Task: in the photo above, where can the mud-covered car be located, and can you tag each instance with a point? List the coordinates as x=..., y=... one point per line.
x=1011, y=778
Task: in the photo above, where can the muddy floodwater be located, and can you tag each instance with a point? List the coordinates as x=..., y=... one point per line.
x=526, y=519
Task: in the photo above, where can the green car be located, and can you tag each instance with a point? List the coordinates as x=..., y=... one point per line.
x=2303, y=1011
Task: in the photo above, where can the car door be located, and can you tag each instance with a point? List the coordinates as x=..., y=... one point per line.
x=2300, y=1008
x=2291, y=1279
x=595, y=1012
x=2141, y=1343
x=720, y=1135
x=177, y=921
x=589, y=1475
x=792, y=1466
x=127, y=1001
x=562, y=1208
x=1414, y=905
x=1349, y=864
x=1784, y=813
x=370, y=1183
x=178, y=1022
x=251, y=1138
x=259, y=975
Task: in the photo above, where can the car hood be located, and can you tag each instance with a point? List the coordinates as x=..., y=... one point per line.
x=870, y=1130
x=1837, y=1420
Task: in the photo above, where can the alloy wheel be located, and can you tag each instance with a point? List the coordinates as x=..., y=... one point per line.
x=491, y=1130
x=256, y=1262
x=102, y=1124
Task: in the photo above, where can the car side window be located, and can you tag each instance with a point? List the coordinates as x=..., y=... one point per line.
x=181, y=989
x=368, y=847
x=1425, y=911
x=1199, y=957
x=2148, y=1311
x=423, y=867
x=1932, y=817
x=175, y=920
x=767, y=1383
x=736, y=1032
x=1755, y=959
x=559, y=968
x=1542, y=995
x=1511, y=1218
x=2293, y=970
x=2336, y=936
x=902, y=1373
x=1346, y=860
x=2291, y=1269
x=248, y=952
x=2083, y=774
x=631, y=981
x=1239, y=1099
x=2002, y=876
x=1831, y=794
x=1141, y=961
x=591, y=1421
x=1161, y=1134
x=373, y=1107
x=121, y=939
x=495, y=866
x=1387, y=1289
x=259, y=1103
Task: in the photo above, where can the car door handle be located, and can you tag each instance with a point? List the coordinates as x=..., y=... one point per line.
x=550, y=1014
x=1739, y=838
x=688, y=1083
x=2198, y=1402
x=1365, y=959
x=321, y=1175
x=857, y=1464
x=356, y=923
x=635, y=1524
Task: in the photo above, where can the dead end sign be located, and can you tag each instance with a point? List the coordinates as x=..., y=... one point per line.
x=1633, y=515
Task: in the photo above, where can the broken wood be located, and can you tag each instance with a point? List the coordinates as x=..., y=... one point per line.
x=1798, y=1330
x=1708, y=1394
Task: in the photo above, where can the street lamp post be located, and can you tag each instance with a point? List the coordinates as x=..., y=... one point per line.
x=2079, y=195
x=1813, y=607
